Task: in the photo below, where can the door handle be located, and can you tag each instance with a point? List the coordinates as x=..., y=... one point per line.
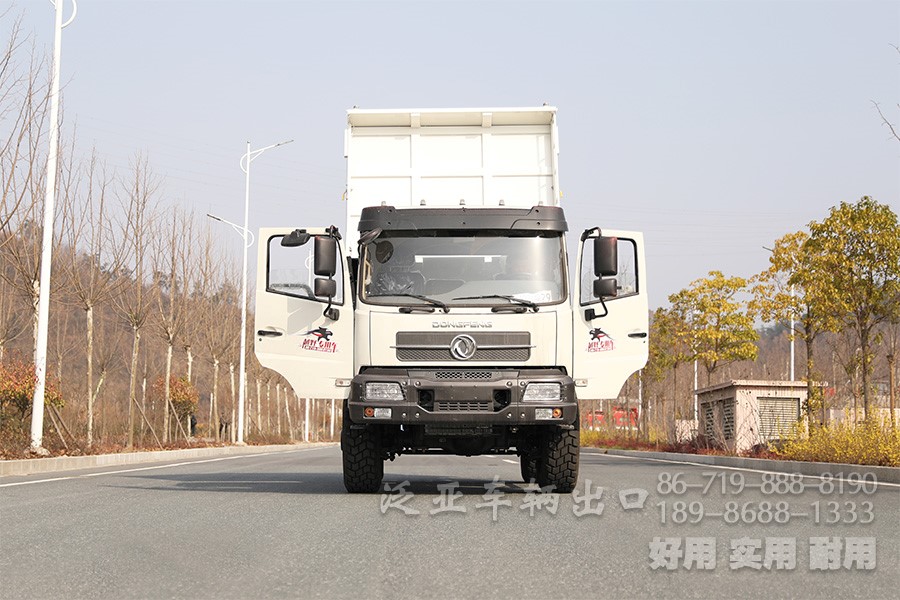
x=639, y=334
x=268, y=333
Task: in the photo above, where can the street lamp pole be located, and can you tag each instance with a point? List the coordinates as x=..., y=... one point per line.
x=40, y=347
x=246, y=159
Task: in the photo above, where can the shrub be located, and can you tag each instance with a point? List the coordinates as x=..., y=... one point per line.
x=185, y=397
x=870, y=443
x=17, y=382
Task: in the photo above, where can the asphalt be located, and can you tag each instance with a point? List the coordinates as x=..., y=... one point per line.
x=279, y=524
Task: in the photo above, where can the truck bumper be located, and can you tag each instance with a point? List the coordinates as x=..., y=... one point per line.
x=463, y=396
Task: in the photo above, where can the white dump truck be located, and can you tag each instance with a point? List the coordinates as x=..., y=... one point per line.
x=443, y=316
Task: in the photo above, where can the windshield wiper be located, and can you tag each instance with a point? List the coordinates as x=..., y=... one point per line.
x=425, y=299
x=513, y=299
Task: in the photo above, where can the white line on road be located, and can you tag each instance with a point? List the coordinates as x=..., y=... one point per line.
x=512, y=462
x=165, y=466
x=693, y=464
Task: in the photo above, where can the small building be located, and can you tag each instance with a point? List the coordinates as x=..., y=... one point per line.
x=741, y=414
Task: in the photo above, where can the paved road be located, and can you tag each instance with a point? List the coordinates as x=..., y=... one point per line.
x=280, y=525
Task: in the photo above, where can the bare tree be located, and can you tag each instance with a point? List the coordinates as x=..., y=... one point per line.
x=24, y=109
x=12, y=325
x=94, y=260
x=139, y=203
x=219, y=317
x=172, y=269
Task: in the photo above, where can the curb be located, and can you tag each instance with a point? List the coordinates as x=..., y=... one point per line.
x=30, y=466
x=882, y=474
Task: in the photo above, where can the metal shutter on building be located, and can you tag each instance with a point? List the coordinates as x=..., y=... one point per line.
x=708, y=424
x=777, y=416
x=728, y=419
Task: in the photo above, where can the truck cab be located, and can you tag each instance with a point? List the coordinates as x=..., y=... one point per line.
x=446, y=326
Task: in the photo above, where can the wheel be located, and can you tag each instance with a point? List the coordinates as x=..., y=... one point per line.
x=363, y=465
x=557, y=464
x=528, y=466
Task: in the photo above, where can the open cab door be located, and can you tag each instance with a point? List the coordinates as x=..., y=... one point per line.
x=610, y=312
x=304, y=316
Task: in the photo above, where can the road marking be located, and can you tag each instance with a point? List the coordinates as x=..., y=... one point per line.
x=693, y=464
x=512, y=462
x=177, y=464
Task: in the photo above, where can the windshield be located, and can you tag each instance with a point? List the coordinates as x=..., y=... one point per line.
x=463, y=270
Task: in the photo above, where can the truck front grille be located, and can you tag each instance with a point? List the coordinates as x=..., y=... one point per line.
x=435, y=346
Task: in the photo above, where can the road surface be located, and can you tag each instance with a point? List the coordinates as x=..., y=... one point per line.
x=280, y=525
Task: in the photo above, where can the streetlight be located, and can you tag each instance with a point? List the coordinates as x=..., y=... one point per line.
x=248, y=238
x=40, y=346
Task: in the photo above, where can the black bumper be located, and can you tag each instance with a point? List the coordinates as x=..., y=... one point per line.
x=463, y=396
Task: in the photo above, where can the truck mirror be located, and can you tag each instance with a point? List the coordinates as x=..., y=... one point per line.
x=297, y=237
x=606, y=256
x=325, y=288
x=326, y=256
x=603, y=288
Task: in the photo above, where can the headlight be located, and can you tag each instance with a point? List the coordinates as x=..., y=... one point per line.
x=384, y=391
x=542, y=392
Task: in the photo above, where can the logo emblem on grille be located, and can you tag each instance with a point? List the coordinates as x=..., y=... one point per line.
x=463, y=347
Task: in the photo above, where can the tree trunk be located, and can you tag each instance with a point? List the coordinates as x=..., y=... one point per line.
x=190, y=363
x=810, y=387
x=233, y=404
x=214, y=402
x=864, y=346
x=132, y=384
x=287, y=412
x=90, y=375
x=258, y=405
x=167, y=394
x=268, y=407
x=278, y=406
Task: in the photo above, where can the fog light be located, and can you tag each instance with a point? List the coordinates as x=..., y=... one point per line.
x=384, y=391
x=542, y=392
x=382, y=413
x=543, y=413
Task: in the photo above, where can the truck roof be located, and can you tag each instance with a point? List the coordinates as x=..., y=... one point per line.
x=444, y=117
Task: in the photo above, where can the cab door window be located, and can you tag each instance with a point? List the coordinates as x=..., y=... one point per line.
x=290, y=272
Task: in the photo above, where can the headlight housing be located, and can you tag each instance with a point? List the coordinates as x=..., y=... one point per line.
x=542, y=392
x=381, y=392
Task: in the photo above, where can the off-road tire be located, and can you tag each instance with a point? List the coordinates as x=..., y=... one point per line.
x=557, y=464
x=363, y=464
x=528, y=466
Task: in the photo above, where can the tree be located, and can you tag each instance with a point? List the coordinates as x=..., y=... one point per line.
x=669, y=348
x=139, y=200
x=94, y=261
x=24, y=107
x=792, y=289
x=858, y=251
x=172, y=267
x=719, y=329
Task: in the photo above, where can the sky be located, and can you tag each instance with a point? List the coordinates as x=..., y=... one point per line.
x=713, y=127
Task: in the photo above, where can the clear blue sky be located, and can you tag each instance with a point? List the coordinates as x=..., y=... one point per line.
x=714, y=127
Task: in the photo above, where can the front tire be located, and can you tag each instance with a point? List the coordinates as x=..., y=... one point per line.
x=363, y=465
x=557, y=464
